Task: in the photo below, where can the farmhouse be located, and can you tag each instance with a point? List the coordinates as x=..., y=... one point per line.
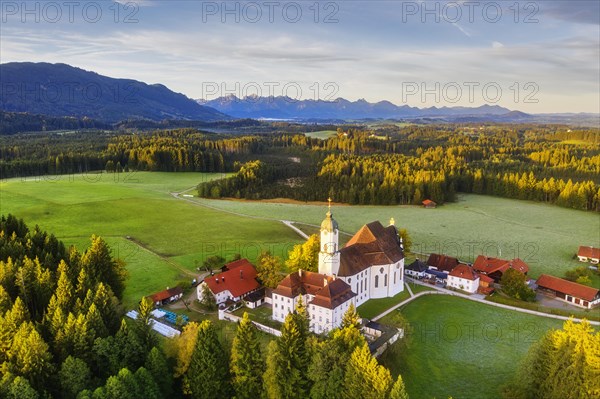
x=167, y=296
x=326, y=298
x=495, y=268
x=235, y=283
x=371, y=265
x=464, y=278
x=577, y=294
x=429, y=204
x=589, y=254
x=442, y=263
x=485, y=284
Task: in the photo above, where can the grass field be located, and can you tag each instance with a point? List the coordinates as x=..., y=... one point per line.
x=175, y=235
x=322, y=134
x=545, y=236
x=463, y=349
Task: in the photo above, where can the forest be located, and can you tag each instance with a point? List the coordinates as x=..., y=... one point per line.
x=382, y=164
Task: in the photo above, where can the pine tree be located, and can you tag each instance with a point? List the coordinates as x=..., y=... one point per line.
x=148, y=388
x=184, y=348
x=74, y=377
x=246, y=361
x=351, y=318
x=30, y=357
x=5, y=301
x=398, y=389
x=288, y=358
x=21, y=389
x=208, y=373
x=156, y=364
x=365, y=378
x=143, y=328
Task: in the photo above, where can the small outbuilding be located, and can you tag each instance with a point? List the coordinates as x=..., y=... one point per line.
x=589, y=254
x=429, y=204
x=167, y=296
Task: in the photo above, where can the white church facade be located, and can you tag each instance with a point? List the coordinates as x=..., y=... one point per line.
x=371, y=265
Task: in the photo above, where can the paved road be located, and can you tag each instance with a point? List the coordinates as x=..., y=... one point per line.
x=443, y=291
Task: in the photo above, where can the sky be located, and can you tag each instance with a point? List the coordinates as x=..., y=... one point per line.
x=532, y=56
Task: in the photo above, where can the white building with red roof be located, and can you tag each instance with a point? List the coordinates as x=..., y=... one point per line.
x=589, y=254
x=577, y=294
x=464, y=278
x=237, y=281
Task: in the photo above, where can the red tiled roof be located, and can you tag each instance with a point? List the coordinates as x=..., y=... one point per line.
x=442, y=262
x=567, y=287
x=589, y=252
x=488, y=265
x=486, y=279
x=333, y=294
x=372, y=245
x=464, y=271
x=428, y=202
x=302, y=282
x=239, y=279
x=166, y=294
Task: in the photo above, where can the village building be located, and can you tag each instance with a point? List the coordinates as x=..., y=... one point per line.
x=464, y=278
x=442, y=263
x=325, y=297
x=235, y=283
x=417, y=269
x=429, y=204
x=495, y=267
x=486, y=284
x=167, y=296
x=589, y=254
x=371, y=265
x=568, y=291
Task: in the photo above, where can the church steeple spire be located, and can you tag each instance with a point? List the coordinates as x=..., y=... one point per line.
x=329, y=256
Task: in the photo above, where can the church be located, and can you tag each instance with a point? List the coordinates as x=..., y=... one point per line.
x=370, y=265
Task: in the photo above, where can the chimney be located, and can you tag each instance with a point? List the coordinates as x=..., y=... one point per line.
x=217, y=280
x=223, y=278
x=241, y=274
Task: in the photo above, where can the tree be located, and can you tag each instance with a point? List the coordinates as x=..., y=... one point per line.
x=398, y=389
x=268, y=269
x=157, y=365
x=514, y=284
x=97, y=261
x=563, y=364
x=286, y=376
x=147, y=386
x=143, y=328
x=208, y=373
x=351, y=318
x=208, y=300
x=305, y=256
x=213, y=262
x=74, y=377
x=183, y=349
x=29, y=356
x=365, y=378
x=246, y=361
x=21, y=389
x=406, y=240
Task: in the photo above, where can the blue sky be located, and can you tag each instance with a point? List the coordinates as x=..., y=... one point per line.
x=535, y=56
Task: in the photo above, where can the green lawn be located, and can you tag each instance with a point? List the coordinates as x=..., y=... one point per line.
x=178, y=233
x=461, y=348
x=545, y=236
x=375, y=307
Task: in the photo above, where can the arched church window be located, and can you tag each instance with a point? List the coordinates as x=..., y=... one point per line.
x=376, y=281
x=385, y=280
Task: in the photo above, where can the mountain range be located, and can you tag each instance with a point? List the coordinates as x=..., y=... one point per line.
x=63, y=90
x=340, y=108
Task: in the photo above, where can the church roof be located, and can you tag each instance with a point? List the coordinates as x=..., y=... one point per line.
x=329, y=223
x=327, y=291
x=372, y=245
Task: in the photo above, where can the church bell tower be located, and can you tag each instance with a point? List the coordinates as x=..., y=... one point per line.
x=329, y=255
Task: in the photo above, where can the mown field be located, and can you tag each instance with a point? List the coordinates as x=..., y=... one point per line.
x=461, y=348
x=168, y=237
x=545, y=236
x=321, y=134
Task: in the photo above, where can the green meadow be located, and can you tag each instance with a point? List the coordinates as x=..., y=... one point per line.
x=545, y=236
x=461, y=348
x=163, y=239
x=321, y=134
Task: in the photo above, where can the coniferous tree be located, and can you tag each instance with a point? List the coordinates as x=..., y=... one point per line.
x=246, y=361
x=208, y=374
x=74, y=377
x=398, y=389
x=365, y=378
x=157, y=365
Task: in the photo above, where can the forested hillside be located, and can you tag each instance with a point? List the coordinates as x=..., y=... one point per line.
x=382, y=164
